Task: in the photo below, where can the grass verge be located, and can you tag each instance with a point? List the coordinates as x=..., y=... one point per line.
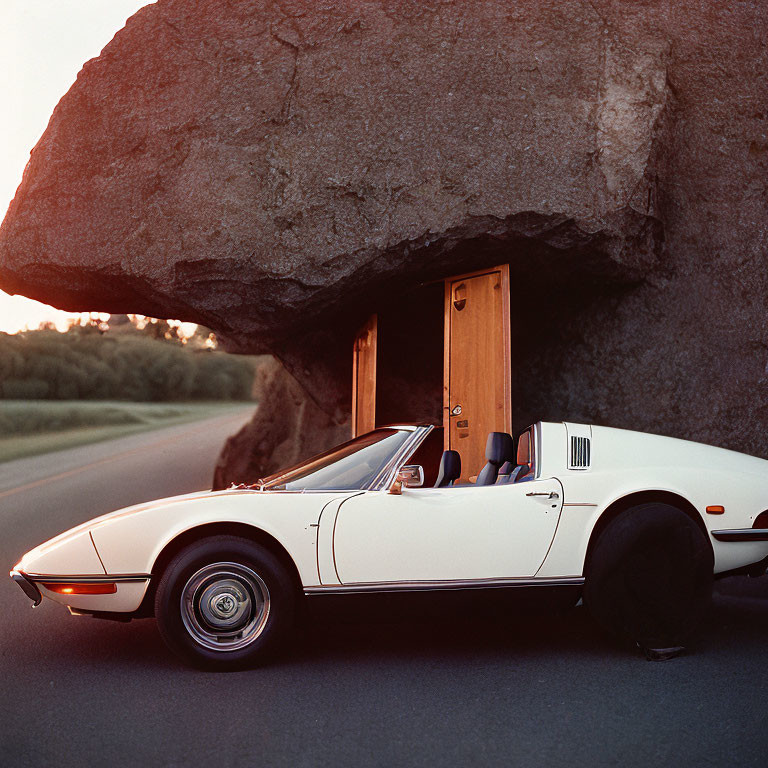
x=33, y=427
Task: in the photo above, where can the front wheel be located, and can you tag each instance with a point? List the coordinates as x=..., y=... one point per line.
x=224, y=602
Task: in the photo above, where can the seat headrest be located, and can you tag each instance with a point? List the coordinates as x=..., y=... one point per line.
x=450, y=468
x=499, y=448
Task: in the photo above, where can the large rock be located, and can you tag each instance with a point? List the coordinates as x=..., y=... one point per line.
x=288, y=427
x=275, y=170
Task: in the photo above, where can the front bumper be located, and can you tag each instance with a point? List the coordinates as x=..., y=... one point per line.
x=28, y=587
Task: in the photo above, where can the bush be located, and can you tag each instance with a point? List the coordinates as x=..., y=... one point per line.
x=49, y=365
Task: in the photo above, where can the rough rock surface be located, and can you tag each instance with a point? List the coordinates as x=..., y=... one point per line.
x=296, y=428
x=276, y=169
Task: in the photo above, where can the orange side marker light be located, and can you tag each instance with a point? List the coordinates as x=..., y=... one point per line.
x=715, y=509
x=108, y=588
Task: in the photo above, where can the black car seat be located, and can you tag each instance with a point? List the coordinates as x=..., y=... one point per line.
x=519, y=472
x=505, y=473
x=498, y=449
x=450, y=469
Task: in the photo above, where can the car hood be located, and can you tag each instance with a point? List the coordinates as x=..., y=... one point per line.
x=95, y=522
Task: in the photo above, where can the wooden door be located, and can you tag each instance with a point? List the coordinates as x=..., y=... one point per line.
x=364, y=378
x=477, y=372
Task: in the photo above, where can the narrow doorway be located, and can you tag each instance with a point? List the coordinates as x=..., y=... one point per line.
x=439, y=354
x=477, y=365
x=364, y=354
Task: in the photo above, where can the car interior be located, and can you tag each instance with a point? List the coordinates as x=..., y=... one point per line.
x=503, y=464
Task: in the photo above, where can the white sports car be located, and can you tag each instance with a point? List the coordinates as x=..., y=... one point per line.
x=638, y=525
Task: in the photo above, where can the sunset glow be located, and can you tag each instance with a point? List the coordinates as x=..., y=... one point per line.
x=39, y=65
x=18, y=313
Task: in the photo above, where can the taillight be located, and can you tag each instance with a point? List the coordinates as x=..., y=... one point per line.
x=74, y=588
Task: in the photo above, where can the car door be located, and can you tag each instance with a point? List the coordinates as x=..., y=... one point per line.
x=445, y=534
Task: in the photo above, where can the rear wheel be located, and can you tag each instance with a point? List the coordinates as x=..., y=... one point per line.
x=649, y=578
x=224, y=602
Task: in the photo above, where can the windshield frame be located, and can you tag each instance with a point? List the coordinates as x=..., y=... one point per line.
x=385, y=477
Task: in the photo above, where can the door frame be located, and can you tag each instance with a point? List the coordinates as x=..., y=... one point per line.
x=371, y=326
x=507, y=341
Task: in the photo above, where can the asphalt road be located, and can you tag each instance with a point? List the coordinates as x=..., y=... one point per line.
x=445, y=690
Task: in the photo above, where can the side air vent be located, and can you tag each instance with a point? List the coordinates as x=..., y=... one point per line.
x=580, y=449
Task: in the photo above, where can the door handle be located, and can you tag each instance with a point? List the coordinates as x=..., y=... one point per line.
x=548, y=494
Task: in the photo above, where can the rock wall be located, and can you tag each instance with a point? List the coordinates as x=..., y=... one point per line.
x=275, y=170
x=287, y=428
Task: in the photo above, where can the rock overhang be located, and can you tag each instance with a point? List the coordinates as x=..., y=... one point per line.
x=244, y=164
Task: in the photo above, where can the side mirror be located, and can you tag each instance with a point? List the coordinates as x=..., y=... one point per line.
x=409, y=476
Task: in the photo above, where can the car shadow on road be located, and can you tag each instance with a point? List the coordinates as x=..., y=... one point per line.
x=460, y=631
x=461, y=637
x=507, y=626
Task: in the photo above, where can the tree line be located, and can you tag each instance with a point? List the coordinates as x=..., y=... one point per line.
x=125, y=363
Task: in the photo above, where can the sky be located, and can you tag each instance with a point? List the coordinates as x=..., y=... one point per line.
x=43, y=45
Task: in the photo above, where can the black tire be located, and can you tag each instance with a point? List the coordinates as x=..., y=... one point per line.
x=224, y=603
x=649, y=577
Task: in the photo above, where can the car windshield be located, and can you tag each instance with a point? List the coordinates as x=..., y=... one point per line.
x=351, y=466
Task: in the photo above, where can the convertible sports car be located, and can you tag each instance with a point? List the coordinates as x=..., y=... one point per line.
x=638, y=525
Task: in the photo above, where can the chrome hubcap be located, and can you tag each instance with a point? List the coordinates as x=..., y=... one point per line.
x=225, y=606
